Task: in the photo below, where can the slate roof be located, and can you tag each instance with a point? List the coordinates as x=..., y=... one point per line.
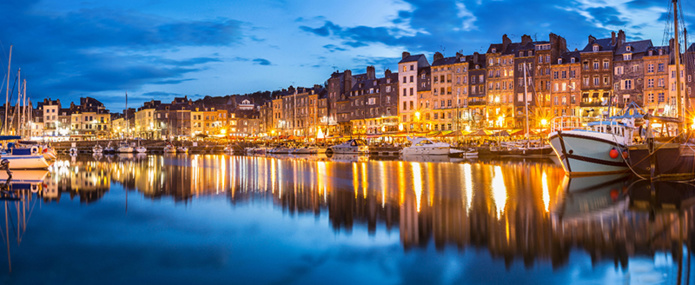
x=412, y=58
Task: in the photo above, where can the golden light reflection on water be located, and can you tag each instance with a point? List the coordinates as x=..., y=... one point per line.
x=499, y=191
x=467, y=177
x=546, y=192
x=417, y=184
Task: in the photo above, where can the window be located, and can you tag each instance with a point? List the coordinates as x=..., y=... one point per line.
x=411, y=91
x=650, y=83
x=660, y=67
x=412, y=67
x=628, y=84
x=606, y=64
x=596, y=81
x=650, y=97
x=627, y=56
x=411, y=79
x=595, y=48
x=618, y=70
x=661, y=97
x=596, y=65
x=555, y=74
x=650, y=68
x=405, y=80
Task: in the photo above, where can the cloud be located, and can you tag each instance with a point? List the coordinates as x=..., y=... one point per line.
x=607, y=16
x=261, y=61
x=97, y=50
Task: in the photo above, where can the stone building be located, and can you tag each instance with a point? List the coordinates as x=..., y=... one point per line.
x=414, y=82
x=628, y=72
x=655, y=89
x=565, y=84
x=597, y=74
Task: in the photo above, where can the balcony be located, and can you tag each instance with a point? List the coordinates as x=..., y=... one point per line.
x=593, y=102
x=477, y=103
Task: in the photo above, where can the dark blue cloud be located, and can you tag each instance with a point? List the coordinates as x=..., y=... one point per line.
x=607, y=16
x=95, y=50
x=446, y=25
x=261, y=61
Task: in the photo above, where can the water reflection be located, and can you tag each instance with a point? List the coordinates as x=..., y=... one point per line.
x=519, y=212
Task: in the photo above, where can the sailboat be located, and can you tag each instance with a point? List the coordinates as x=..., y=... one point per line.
x=124, y=147
x=664, y=154
x=526, y=149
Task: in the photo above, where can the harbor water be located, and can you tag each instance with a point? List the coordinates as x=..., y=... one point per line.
x=220, y=219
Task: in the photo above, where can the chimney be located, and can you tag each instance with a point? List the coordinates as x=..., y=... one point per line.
x=371, y=74
x=621, y=37
x=405, y=54
x=348, y=83
x=475, y=57
x=458, y=56
x=591, y=39
x=613, y=38
x=437, y=56
x=387, y=73
x=525, y=39
x=505, y=42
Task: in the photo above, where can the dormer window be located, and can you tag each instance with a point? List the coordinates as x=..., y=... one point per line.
x=559, y=61
x=494, y=50
x=595, y=47
x=627, y=56
x=651, y=52
x=661, y=51
x=628, y=48
x=572, y=60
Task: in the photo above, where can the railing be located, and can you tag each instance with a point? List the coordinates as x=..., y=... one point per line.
x=565, y=123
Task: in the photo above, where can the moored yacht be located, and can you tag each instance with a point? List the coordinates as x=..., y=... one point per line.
x=424, y=146
x=353, y=146
x=598, y=149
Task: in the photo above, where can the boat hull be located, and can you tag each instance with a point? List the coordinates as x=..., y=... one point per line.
x=587, y=153
x=27, y=161
x=416, y=150
x=668, y=161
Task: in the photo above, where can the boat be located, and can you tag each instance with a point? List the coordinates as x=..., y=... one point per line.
x=169, y=148
x=523, y=149
x=182, y=149
x=353, y=146
x=109, y=148
x=139, y=148
x=281, y=150
x=124, y=147
x=665, y=153
x=463, y=153
x=597, y=148
x=73, y=151
x=307, y=150
x=23, y=157
x=97, y=149
x=662, y=156
x=424, y=146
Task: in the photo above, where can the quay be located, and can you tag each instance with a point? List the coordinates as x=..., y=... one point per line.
x=153, y=146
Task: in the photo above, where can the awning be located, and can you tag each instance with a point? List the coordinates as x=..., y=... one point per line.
x=432, y=133
x=446, y=134
x=479, y=133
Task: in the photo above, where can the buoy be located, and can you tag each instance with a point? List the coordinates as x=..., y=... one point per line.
x=625, y=154
x=613, y=153
x=614, y=194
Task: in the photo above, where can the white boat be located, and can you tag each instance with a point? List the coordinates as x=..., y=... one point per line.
x=281, y=150
x=463, y=153
x=97, y=149
x=182, y=149
x=424, y=146
x=124, y=147
x=353, y=146
x=169, y=148
x=229, y=149
x=48, y=152
x=25, y=158
x=141, y=149
x=306, y=150
x=73, y=151
x=109, y=148
x=593, y=151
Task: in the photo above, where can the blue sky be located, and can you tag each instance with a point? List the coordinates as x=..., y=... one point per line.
x=157, y=49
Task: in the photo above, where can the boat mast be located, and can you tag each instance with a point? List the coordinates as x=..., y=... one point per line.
x=25, y=110
x=7, y=94
x=19, y=101
x=679, y=104
x=526, y=106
